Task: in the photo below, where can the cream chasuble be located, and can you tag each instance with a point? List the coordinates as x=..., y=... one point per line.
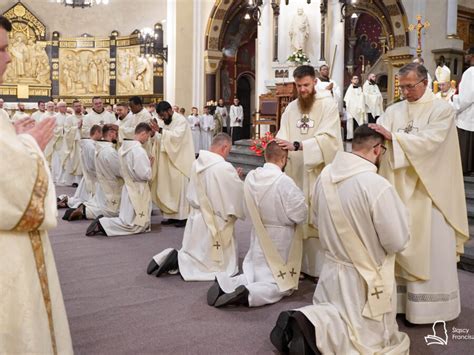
x=94, y=118
x=174, y=155
x=272, y=264
x=57, y=167
x=106, y=200
x=373, y=99
x=215, y=195
x=129, y=123
x=355, y=104
x=135, y=205
x=446, y=96
x=320, y=135
x=421, y=161
x=32, y=313
x=354, y=305
x=71, y=150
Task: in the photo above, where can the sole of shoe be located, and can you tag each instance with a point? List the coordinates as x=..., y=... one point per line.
x=214, y=293
x=170, y=263
x=280, y=335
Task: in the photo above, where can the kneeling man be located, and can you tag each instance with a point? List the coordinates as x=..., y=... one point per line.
x=362, y=224
x=272, y=265
x=215, y=195
x=135, y=206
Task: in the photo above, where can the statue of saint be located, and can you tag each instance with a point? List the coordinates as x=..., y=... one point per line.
x=299, y=31
x=19, y=52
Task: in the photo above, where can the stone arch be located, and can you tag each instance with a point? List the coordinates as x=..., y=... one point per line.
x=391, y=15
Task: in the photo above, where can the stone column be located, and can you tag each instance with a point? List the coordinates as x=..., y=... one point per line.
x=264, y=52
x=198, y=56
x=323, y=10
x=335, y=43
x=212, y=60
x=170, y=41
x=452, y=18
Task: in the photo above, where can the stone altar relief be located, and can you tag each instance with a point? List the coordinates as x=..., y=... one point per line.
x=299, y=31
x=134, y=73
x=84, y=72
x=29, y=60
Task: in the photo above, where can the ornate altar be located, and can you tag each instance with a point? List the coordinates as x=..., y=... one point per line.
x=63, y=68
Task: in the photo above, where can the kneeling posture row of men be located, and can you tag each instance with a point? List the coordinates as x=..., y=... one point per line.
x=330, y=216
x=382, y=246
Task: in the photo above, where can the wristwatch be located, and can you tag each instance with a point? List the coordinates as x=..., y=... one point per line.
x=296, y=145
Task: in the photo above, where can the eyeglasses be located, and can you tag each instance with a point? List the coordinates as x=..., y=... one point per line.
x=384, y=148
x=410, y=86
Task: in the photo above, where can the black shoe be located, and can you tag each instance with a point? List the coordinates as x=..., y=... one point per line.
x=95, y=228
x=298, y=344
x=152, y=267
x=169, y=221
x=214, y=293
x=170, y=263
x=281, y=333
x=68, y=212
x=239, y=297
x=75, y=184
x=78, y=214
x=181, y=223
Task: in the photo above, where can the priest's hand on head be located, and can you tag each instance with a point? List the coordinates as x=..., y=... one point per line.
x=43, y=132
x=380, y=129
x=285, y=144
x=24, y=125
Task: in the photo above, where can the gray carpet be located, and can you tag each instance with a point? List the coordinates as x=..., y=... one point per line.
x=114, y=307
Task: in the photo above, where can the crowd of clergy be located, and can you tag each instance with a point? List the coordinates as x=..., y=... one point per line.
x=376, y=227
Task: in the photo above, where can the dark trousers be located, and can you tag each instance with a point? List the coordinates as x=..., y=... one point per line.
x=371, y=118
x=466, y=145
x=235, y=133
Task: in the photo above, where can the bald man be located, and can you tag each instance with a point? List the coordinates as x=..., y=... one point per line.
x=272, y=264
x=215, y=197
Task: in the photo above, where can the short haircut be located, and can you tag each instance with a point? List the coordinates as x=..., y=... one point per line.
x=364, y=136
x=163, y=106
x=5, y=24
x=274, y=152
x=220, y=139
x=109, y=127
x=76, y=102
x=324, y=65
x=41, y=102
x=142, y=127
x=304, y=70
x=94, y=129
x=419, y=69
x=136, y=100
x=96, y=98
x=122, y=104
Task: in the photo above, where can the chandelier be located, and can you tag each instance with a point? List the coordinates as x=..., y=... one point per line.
x=82, y=3
x=151, y=43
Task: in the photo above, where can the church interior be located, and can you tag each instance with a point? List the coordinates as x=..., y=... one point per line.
x=192, y=53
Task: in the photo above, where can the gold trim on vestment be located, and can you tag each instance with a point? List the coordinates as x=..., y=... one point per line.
x=34, y=213
x=38, y=251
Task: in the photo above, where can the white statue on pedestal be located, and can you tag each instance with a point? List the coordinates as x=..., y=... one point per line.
x=299, y=31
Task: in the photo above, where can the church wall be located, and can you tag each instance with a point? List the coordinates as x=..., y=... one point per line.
x=122, y=15
x=435, y=36
x=287, y=13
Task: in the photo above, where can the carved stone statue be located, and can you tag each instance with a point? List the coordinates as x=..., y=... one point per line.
x=135, y=73
x=19, y=52
x=299, y=31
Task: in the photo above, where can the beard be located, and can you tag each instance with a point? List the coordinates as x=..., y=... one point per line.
x=306, y=103
x=372, y=81
x=167, y=121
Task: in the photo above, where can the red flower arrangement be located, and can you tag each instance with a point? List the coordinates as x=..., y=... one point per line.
x=258, y=145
